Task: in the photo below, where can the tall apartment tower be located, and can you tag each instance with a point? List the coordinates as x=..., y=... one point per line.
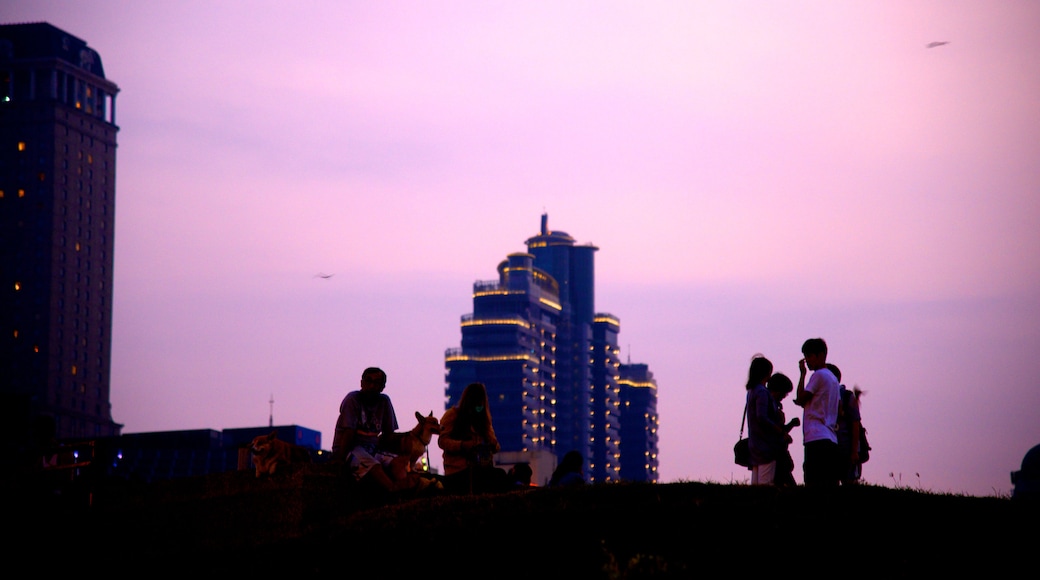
x=605, y=429
x=639, y=422
x=57, y=218
x=549, y=362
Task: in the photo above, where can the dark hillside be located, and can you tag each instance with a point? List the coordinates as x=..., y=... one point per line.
x=312, y=523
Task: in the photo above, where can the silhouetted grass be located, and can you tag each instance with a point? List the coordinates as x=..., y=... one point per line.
x=314, y=523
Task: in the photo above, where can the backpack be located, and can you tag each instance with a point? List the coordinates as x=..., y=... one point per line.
x=864, y=447
x=847, y=398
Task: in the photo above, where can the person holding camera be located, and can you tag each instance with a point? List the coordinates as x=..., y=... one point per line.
x=468, y=441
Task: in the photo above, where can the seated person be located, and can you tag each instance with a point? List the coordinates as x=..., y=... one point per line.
x=363, y=416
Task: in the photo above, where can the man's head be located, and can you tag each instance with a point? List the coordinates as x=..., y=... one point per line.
x=815, y=352
x=373, y=380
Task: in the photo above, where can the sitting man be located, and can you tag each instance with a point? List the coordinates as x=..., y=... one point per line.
x=363, y=416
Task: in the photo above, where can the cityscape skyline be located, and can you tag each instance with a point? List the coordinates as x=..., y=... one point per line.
x=550, y=361
x=754, y=174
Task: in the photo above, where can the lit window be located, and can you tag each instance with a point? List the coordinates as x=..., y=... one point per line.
x=21, y=145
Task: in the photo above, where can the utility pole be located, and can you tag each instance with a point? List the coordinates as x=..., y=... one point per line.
x=270, y=420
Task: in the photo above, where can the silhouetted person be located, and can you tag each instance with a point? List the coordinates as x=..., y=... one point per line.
x=469, y=444
x=520, y=475
x=765, y=429
x=848, y=431
x=569, y=472
x=1027, y=479
x=779, y=386
x=364, y=415
x=819, y=400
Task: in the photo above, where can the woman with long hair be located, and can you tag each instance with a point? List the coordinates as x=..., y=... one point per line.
x=468, y=441
x=766, y=435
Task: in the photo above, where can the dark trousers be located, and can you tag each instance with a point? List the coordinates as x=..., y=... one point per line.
x=822, y=465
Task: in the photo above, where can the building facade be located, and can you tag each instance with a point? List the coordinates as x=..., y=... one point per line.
x=605, y=428
x=549, y=361
x=57, y=218
x=639, y=423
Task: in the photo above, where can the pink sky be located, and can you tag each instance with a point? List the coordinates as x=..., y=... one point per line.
x=754, y=174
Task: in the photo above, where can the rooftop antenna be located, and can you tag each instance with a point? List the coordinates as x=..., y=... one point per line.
x=629, y=354
x=270, y=420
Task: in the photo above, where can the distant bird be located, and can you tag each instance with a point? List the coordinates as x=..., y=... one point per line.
x=323, y=275
x=936, y=43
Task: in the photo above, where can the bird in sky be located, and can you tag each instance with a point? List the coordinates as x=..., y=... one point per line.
x=323, y=275
x=936, y=43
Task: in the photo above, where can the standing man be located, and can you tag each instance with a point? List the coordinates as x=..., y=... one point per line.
x=364, y=415
x=819, y=400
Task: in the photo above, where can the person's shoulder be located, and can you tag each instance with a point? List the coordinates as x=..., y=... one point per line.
x=351, y=396
x=833, y=381
x=826, y=376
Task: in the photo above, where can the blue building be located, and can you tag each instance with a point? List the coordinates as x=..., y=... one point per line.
x=605, y=427
x=159, y=455
x=639, y=423
x=548, y=360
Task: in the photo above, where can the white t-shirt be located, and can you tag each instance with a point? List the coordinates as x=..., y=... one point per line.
x=820, y=417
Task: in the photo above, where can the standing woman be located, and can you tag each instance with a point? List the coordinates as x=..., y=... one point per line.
x=469, y=444
x=765, y=435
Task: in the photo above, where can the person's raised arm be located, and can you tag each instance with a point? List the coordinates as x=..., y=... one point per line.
x=801, y=396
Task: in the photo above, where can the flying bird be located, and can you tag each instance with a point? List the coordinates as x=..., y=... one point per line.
x=936, y=43
x=323, y=275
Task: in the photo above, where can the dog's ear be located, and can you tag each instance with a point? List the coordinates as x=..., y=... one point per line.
x=419, y=416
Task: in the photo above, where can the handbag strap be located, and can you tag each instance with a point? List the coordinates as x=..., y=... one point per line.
x=743, y=418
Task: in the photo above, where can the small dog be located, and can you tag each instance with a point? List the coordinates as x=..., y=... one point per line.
x=412, y=444
x=269, y=453
x=409, y=446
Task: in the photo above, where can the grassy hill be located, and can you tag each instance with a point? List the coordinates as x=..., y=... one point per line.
x=315, y=523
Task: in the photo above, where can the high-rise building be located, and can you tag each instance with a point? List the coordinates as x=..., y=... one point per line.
x=549, y=362
x=639, y=422
x=604, y=430
x=57, y=218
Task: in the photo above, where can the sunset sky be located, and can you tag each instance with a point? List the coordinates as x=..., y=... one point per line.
x=753, y=173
